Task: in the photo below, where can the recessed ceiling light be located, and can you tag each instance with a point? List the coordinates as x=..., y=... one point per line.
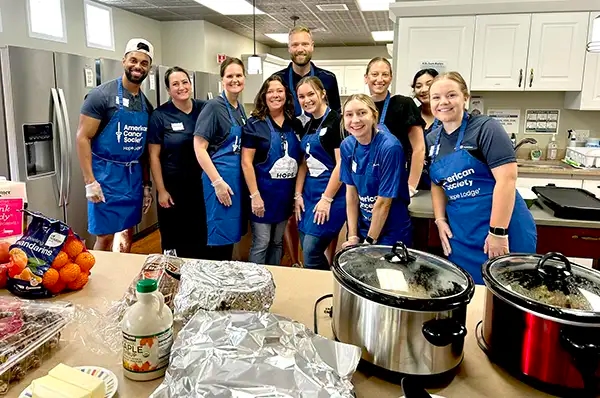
x=383, y=35
x=374, y=5
x=278, y=37
x=332, y=7
x=229, y=7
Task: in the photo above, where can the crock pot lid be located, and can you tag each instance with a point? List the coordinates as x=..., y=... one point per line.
x=550, y=280
x=402, y=272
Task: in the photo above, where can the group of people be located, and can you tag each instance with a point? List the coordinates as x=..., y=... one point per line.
x=302, y=165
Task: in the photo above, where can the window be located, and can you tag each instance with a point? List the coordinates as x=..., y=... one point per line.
x=47, y=19
x=98, y=26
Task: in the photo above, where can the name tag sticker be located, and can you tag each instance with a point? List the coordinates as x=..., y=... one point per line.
x=323, y=131
x=177, y=126
x=353, y=166
x=126, y=102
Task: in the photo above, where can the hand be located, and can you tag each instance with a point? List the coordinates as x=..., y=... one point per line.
x=495, y=246
x=352, y=240
x=321, y=211
x=412, y=191
x=298, y=207
x=258, y=206
x=165, y=200
x=147, y=199
x=93, y=192
x=445, y=235
x=224, y=193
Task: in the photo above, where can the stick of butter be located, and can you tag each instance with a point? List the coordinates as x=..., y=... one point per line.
x=94, y=385
x=49, y=387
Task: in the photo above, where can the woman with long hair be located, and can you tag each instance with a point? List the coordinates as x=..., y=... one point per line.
x=270, y=155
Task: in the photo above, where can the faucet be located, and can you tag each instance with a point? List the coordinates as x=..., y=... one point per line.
x=524, y=141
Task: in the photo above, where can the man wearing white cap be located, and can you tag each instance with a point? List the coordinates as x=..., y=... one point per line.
x=111, y=143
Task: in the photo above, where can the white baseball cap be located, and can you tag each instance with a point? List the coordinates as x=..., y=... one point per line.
x=141, y=45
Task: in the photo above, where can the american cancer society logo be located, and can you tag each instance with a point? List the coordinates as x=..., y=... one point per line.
x=118, y=134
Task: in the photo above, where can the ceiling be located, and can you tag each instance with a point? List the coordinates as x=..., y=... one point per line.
x=337, y=28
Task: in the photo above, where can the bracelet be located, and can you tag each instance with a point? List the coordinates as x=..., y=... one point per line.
x=439, y=219
x=297, y=195
x=326, y=198
x=216, y=182
x=254, y=195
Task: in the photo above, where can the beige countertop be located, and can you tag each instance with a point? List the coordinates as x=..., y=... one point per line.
x=297, y=291
x=555, y=168
x=421, y=207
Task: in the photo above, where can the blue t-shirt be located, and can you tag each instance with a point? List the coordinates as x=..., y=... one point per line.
x=257, y=135
x=173, y=130
x=485, y=139
x=213, y=123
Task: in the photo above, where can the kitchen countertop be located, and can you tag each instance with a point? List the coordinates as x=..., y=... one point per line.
x=297, y=291
x=421, y=207
x=555, y=168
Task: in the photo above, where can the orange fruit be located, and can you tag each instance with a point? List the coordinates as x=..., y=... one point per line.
x=69, y=272
x=4, y=252
x=61, y=259
x=57, y=287
x=85, y=260
x=50, y=278
x=73, y=247
x=78, y=283
x=18, y=257
x=25, y=275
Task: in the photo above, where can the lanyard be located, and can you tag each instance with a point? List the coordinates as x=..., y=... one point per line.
x=293, y=88
x=461, y=135
x=229, y=111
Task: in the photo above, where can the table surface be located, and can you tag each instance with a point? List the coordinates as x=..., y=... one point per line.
x=421, y=207
x=297, y=291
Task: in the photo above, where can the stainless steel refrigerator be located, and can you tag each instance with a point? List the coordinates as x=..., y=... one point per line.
x=109, y=69
x=42, y=95
x=207, y=85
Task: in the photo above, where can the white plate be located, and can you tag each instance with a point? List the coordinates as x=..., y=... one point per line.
x=110, y=380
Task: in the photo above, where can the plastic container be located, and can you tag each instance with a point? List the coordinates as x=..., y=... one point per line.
x=552, y=150
x=147, y=334
x=585, y=157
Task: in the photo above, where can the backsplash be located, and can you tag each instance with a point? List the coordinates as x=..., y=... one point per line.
x=569, y=119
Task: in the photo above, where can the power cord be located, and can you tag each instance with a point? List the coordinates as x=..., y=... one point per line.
x=328, y=311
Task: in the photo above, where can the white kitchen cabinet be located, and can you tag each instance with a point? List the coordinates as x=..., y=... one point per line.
x=350, y=78
x=529, y=182
x=500, y=52
x=430, y=40
x=339, y=72
x=269, y=69
x=588, y=99
x=557, y=51
x=593, y=186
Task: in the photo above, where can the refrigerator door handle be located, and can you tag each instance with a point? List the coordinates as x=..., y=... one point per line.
x=61, y=129
x=69, y=140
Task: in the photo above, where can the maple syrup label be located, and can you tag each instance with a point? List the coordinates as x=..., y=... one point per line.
x=142, y=354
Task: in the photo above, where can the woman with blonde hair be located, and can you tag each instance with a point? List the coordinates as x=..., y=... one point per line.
x=320, y=204
x=473, y=171
x=377, y=193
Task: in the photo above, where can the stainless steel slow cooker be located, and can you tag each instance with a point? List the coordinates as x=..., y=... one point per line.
x=542, y=321
x=405, y=308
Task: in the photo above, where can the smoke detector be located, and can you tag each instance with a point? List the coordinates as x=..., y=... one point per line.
x=332, y=7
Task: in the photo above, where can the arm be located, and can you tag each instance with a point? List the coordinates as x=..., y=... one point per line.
x=323, y=207
x=503, y=202
x=201, y=150
x=87, y=129
x=381, y=209
x=298, y=201
x=248, y=169
x=439, y=200
x=164, y=198
x=417, y=141
x=352, y=215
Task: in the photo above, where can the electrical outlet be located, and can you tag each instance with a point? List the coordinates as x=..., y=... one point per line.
x=583, y=134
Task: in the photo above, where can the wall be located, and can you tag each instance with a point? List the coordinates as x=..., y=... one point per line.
x=349, y=52
x=569, y=119
x=126, y=26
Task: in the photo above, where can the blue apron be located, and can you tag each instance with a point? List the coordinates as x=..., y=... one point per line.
x=115, y=163
x=320, y=166
x=297, y=108
x=469, y=186
x=276, y=176
x=381, y=126
x=225, y=223
x=367, y=179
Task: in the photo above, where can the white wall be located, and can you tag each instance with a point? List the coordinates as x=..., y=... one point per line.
x=348, y=52
x=126, y=26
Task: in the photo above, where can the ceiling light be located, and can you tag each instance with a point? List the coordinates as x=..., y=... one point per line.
x=229, y=7
x=332, y=7
x=374, y=5
x=278, y=37
x=383, y=35
x=594, y=45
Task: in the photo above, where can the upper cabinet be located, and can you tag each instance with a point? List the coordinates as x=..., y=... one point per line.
x=588, y=99
x=533, y=52
x=350, y=75
x=444, y=40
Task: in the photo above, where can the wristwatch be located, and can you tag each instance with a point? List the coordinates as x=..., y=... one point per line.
x=370, y=240
x=499, y=231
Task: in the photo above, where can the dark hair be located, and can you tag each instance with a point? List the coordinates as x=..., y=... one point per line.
x=378, y=59
x=315, y=83
x=261, y=110
x=429, y=71
x=229, y=61
x=172, y=70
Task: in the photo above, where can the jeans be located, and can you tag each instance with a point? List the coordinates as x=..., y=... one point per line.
x=313, y=250
x=267, y=243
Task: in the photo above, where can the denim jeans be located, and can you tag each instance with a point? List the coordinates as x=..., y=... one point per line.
x=267, y=243
x=313, y=250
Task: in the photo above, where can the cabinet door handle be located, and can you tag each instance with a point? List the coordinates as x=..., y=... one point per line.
x=531, y=77
x=520, y=77
x=588, y=238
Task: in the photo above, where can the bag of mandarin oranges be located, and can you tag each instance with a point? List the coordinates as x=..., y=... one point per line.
x=48, y=259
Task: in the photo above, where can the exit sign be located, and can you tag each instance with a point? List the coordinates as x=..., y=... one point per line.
x=221, y=58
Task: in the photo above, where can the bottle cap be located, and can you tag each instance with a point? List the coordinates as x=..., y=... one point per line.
x=147, y=286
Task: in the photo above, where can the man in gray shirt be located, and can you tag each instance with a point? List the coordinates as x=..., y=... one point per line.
x=111, y=145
